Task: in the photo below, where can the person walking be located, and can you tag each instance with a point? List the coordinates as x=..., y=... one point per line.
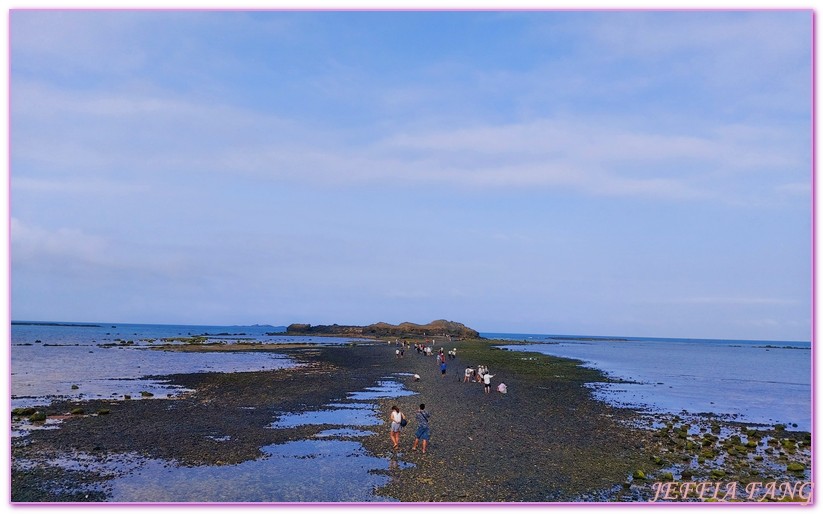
x=396, y=418
x=422, y=433
x=443, y=369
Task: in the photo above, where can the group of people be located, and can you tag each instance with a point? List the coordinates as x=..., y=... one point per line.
x=481, y=375
x=397, y=422
x=398, y=419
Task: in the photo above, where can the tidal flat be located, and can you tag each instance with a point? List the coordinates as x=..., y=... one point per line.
x=296, y=434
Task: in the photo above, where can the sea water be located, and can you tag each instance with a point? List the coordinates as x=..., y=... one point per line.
x=764, y=382
x=84, y=361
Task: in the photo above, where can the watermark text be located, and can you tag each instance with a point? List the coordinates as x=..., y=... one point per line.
x=800, y=492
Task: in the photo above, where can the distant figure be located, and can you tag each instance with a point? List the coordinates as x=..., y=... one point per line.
x=468, y=375
x=487, y=382
x=443, y=369
x=422, y=433
x=501, y=388
x=416, y=377
x=396, y=417
x=397, y=353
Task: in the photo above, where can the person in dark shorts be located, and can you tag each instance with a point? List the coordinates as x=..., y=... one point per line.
x=422, y=433
x=443, y=368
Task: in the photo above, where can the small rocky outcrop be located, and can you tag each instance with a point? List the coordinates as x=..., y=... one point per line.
x=440, y=327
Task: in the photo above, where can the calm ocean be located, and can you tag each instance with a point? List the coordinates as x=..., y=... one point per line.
x=751, y=381
x=90, y=360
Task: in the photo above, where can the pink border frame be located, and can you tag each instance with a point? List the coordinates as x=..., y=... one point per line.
x=813, y=170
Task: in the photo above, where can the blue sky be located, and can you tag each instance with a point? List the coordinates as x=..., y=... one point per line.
x=606, y=173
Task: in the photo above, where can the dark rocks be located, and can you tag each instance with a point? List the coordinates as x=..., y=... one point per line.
x=440, y=327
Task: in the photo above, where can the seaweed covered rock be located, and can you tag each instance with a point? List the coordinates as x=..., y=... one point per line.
x=23, y=411
x=795, y=467
x=38, y=417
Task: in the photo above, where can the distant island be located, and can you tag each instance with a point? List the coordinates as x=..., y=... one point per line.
x=439, y=327
x=52, y=324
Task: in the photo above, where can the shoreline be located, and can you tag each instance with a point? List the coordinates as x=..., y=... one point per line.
x=546, y=440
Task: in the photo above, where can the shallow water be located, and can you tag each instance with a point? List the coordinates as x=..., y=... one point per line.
x=753, y=382
x=110, y=332
x=38, y=372
x=364, y=415
x=344, y=432
x=298, y=471
x=387, y=388
x=331, y=467
x=111, y=360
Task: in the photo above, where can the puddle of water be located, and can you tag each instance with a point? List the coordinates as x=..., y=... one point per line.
x=352, y=405
x=350, y=416
x=23, y=428
x=298, y=471
x=326, y=469
x=344, y=432
x=384, y=389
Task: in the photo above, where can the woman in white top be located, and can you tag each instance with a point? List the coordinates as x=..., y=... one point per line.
x=395, y=417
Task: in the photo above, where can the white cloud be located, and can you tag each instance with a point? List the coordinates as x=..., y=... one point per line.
x=136, y=127
x=72, y=250
x=29, y=243
x=88, y=134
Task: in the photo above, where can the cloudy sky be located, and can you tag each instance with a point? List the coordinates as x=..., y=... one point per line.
x=602, y=173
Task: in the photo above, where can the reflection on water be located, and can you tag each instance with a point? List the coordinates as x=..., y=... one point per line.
x=386, y=388
x=110, y=360
x=331, y=467
x=344, y=432
x=753, y=382
x=82, y=373
x=353, y=416
x=298, y=471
